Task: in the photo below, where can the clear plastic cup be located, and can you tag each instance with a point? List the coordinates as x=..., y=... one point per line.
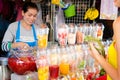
x=80, y=34
x=64, y=62
x=42, y=35
x=100, y=28
x=53, y=64
x=71, y=39
x=42, y=65
x=62, y=35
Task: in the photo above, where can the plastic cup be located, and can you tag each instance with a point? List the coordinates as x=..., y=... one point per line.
x=71, y=39
x=64, y=62
x=42, y=65
x=42, y=35
x=53, y=64
x=62, y=35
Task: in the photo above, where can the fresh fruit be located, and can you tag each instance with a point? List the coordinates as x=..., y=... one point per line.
x=97, y=43
x=88, y=12
x=95, y=14
x=102, y=72
x=91, y=13
x=82, y=64
x=55, y=2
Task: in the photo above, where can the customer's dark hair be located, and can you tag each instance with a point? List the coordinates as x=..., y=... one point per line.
x=28, y=5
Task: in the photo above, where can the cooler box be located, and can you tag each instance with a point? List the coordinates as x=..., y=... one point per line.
x=30, y=76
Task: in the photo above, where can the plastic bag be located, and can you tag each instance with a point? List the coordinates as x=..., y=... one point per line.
x=59, y=20
x=39, y=17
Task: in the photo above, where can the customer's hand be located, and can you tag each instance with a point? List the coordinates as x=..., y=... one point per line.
x=93, y=52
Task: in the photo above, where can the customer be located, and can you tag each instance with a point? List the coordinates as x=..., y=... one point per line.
x=112, y=66
x=6, y=17
x=22, y=34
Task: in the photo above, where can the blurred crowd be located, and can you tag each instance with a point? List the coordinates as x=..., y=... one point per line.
x=10, y=11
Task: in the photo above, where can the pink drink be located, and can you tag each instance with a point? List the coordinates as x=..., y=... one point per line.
x=62, y=36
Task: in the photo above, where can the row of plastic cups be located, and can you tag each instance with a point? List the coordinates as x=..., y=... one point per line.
x=61, y=61
x=53, y=62
x=72, y=34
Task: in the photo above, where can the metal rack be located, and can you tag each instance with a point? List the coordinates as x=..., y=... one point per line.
x=81, y=7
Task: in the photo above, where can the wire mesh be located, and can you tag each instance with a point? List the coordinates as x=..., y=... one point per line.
x=81, y=7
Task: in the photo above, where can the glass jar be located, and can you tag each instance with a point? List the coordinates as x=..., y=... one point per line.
x=4, y=70
x=21, y=62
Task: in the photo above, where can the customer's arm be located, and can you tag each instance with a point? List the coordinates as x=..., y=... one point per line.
x=103, y=62
x=116, y=28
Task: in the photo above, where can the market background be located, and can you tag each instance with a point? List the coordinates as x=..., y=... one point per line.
x=48, y=9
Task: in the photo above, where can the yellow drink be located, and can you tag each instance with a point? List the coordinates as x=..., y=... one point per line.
x=42, y=41
x=43, y=73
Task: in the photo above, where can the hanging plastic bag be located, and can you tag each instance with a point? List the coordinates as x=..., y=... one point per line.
x=39, y=17
x=70, y=11
x=59, y=20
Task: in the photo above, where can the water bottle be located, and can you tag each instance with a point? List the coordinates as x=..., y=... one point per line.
x=4, y=69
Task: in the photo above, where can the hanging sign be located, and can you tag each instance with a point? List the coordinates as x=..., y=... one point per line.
x=108, y=10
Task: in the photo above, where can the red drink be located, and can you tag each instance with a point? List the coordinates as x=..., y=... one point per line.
x=54, y=71
x=22, y=65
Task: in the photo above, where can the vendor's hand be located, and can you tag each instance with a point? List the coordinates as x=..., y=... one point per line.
x=20, y=45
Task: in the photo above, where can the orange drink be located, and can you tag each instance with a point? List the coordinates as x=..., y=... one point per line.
x=64, y=68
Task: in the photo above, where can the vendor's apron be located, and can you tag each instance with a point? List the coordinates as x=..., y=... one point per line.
x=112, y=57
x=30, y=43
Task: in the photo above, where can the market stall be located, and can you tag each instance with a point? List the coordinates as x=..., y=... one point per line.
x=62, y=52
x=67, y=59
